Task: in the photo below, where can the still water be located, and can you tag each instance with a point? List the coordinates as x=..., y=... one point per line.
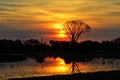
x=53, y=66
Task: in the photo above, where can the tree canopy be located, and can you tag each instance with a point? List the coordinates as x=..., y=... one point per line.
x=74, y=28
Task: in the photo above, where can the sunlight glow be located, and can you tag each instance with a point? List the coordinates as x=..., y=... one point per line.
x=60, y=61
x=61, y=32
x=59, y=26
x=61, y=67
x=58, y=65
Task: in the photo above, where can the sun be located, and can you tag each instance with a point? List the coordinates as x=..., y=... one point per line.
x=61, y=32
x=60, y=61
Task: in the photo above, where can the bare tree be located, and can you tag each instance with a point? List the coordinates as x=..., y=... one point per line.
x=75, y=28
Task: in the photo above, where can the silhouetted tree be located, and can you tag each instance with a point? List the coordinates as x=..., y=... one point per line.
x=75, y=28
x=117, y=40
x=32, y=42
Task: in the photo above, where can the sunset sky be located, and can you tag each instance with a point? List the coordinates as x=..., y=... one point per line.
x=26, y=19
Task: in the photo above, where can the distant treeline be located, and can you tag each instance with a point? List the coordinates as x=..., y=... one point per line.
x=36, y=48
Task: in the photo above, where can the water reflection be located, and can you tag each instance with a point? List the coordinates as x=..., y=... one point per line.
x=52, y=66
x=55, y=65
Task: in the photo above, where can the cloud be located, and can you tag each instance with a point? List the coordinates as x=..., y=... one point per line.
x=117, y=13
x=27, y=21
x=102, y=34
x=3, y=9
x=24, y=34
x=20, y=17
x=117, y=3
x=12, y=5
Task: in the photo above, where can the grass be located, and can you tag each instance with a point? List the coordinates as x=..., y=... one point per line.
x=102, y=75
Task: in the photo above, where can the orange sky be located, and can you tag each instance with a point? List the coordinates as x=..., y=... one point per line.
x=27, y=19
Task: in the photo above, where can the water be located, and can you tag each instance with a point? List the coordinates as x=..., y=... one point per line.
x=53, y=66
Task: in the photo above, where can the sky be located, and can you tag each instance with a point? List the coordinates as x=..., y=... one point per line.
x=26, y=19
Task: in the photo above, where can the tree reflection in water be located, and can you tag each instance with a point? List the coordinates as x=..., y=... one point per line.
x=74, y=68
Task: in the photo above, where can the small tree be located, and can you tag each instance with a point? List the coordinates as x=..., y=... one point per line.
x=75, y=28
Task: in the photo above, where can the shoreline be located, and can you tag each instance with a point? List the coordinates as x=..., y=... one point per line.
x=101, y=75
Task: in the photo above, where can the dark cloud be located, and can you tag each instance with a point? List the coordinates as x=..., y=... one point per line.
x=12, y=5
x=2, y=9
x=114, y=13
x=23, y=34
x=38, y=13
x=107, y=32
x=103, y=33
x=27, y=21
x=117, y=3
x=3, y=13
x=63, y=11
x=4, y=27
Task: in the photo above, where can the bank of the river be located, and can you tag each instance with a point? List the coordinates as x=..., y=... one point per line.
x=103, y=75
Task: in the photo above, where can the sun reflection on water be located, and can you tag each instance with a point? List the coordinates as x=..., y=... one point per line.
x=53, y=66
x=57, y=65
